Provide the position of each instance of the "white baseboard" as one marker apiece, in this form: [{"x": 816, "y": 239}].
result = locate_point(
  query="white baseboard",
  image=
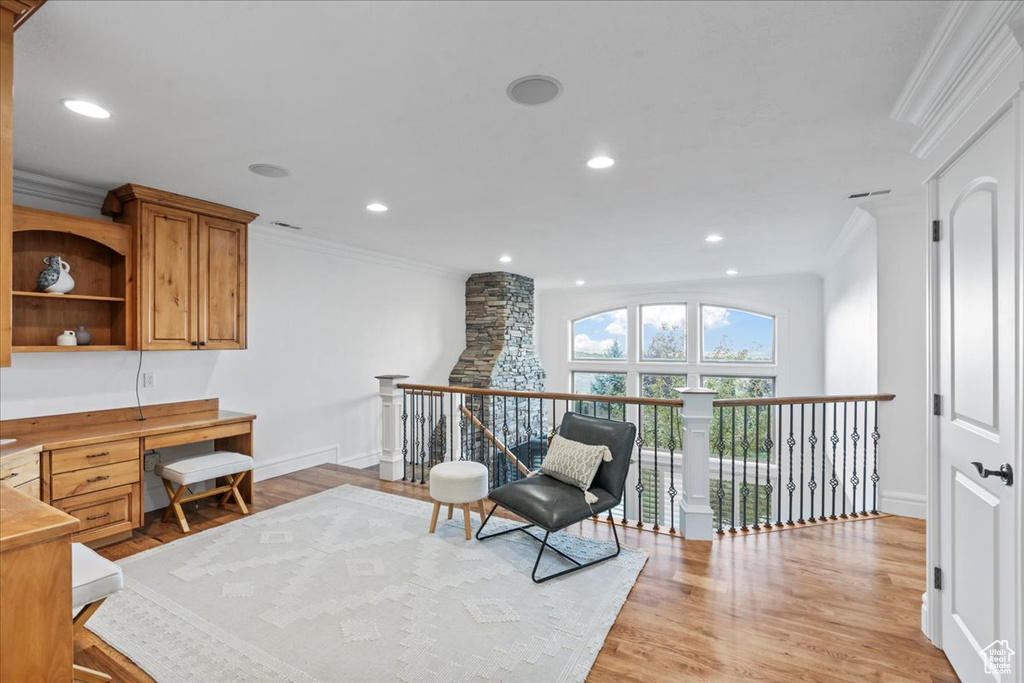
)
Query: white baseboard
[
  {"x": 924, "y": 616},
  {"x": 294, "y": 463},
  {"x": 360, "y": 460},
  {"x": 903, "y": 504}
]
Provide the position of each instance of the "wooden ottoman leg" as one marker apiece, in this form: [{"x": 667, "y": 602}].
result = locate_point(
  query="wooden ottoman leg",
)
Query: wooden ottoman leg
[
  {"x": 450, "y": 506},
  {"x": 480, "y": 509},
  {"x": 465, "y": 515},
  {"x": 433, "y": 517}
]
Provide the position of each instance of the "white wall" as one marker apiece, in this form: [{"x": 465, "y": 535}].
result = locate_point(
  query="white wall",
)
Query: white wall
[
  {"x": 323, "y": 321},
  {"x": 796, "y": 299},
  {"x": 850, "y": 297},
  {"x": 903, "y": 239}
]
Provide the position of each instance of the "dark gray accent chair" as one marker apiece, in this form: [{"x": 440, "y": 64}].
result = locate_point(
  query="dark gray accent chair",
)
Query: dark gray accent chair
[{"x": 552, "y": 505}]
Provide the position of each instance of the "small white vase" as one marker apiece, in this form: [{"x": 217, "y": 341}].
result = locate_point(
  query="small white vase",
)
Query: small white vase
[
  {"x": 68, "y": 338},
  {"x": 64, "y": 284}
]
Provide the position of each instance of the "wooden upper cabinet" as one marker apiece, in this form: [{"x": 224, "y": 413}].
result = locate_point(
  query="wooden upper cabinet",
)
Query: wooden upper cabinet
[
  {"x": 169, "y": 293},
  {"x": 222, "y": 283},
  {"x": 192, "y": 268}
]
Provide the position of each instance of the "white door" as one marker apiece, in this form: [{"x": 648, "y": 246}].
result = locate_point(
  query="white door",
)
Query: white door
[{"x": 977, "y": 366}]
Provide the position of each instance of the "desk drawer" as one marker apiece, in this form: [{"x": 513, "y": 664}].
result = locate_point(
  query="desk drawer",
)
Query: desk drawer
[
  {"x": 71, "y": 459},
  {"x": 103, "y": 513},
  {"x": 30, "y": 487},
  {"x": 94, "y": 479},
  {"x": 20, "y": 469}
]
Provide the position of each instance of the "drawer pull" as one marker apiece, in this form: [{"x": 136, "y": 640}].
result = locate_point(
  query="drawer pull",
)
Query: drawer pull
[
  {"x": 96, "y": 479},
  {"x": 98, "y": 455},
  {"x": 95, "y": 517},
  {"x": 12, "y": 475}
]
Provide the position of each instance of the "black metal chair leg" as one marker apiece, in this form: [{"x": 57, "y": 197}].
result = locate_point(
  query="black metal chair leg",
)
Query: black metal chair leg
[
  {"x": 570, "y": 570},
  {"x": 497, "y": 533}
]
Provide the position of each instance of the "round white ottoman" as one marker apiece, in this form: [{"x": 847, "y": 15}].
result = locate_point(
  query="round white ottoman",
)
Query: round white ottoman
[{"x": 458, "y": 483}]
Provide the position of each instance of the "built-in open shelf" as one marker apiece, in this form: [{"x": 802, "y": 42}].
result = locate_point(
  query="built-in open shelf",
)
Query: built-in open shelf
[
  {"x": 99, "y": 253},
  {"x": 77, "y": 297},
  {"x": 65, "y": 349}
]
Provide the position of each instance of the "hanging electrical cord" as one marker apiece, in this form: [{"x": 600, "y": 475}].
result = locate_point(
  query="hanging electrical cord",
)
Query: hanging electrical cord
[{"x": 138, "y": 399}]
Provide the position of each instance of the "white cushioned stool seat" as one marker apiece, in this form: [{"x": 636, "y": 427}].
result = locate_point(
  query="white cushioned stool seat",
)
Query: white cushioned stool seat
[
  {"x": 458, "y": 482},
  {"x": 204, "y": 467},
  {"x": 92, "y": 576}
]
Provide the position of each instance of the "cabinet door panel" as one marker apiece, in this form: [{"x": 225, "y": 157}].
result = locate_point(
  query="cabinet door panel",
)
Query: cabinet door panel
[
  {"x": 168, "y": 278},
  {"x": 222, "y": 283}
]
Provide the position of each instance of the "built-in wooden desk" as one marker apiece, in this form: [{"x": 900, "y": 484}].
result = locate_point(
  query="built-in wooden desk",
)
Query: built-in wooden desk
[
  {"x": 90, "y": 465},
  {"x": 35, "y": 589}
]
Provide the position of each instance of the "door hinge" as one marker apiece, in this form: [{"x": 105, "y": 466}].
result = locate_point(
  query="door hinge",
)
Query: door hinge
[
  {"x": 936, "y": 404},
  {"x": 936, "y": 231},
  {"x": 937, "y": 579}
]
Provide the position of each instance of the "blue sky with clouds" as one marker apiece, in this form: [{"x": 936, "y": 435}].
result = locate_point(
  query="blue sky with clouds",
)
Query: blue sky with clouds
[{"x": 736, "y": 329}]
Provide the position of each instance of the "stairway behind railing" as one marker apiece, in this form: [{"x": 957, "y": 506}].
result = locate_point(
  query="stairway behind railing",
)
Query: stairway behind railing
[{"x": 700, "y": 465}]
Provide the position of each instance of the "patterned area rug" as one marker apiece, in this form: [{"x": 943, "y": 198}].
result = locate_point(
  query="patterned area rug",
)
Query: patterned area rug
[{"x": 347, "y": 585}]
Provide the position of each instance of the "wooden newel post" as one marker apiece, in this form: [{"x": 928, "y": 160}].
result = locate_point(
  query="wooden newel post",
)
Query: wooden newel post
[
  {"x": 695, "y": 514},
  {"x": 392, "y": 462}
]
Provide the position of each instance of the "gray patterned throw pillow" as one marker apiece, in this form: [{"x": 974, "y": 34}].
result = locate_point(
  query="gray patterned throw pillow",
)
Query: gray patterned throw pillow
[{"x": 574, "y": 463}]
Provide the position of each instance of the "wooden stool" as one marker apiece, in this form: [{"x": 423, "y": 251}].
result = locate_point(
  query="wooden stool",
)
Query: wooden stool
[
  {"x": 203, "y": 468},
  {"x": 458, "y": 483}
]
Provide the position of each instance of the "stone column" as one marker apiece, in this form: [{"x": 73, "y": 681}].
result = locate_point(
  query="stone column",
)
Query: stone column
[{"x": 392, "y": 462}]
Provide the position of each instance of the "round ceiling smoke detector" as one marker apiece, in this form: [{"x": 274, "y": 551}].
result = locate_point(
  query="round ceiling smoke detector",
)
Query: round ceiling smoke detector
[
  {"x": 270, "y": 171},
  {"x": 534, "y": 90}
]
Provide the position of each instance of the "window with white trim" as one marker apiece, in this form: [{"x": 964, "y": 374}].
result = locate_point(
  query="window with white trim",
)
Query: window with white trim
[{"x": 652, "y": 348}]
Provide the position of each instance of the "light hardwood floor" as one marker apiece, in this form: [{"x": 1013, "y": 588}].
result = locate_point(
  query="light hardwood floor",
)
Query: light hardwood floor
[{"x": 839, "y": 602}]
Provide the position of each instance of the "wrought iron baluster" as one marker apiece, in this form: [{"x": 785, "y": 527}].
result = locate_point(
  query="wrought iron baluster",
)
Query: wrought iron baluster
[
  {"x": 845, "y": 433},
  {"x": 423, "y": 439},
  {"x": 824, "y": 431},
  {"x": 504, "y": 440},
  {"x": 451, "y": 426},
  {"x": 519, "y": 440},
  {"x": 812, "y": 484},
  {"x": 405, "y": 435},
  {"x": 790, "y": 485},
  {"x": 744, "y": 490},
  {"x": 431, "y": 430},
  {"x": 721, "y": 465},
  {"x": 801, "y": 520},
  {"x": 875, "y": 436},
  {"x": 757, "y": 467},
  {"x": 768, "y": 447},
  {"x": 854, "y": 479},
  {"x": 639, "y": 479},
  {"x": 672, "y": 471},
  {"x": 778, "y": 512},
  {"x": 657, "y": 478},
  {"x": 864, "y": 470},
  {"x": 834, "y": 440},
  {"x": 732, "y": 476},
  {"x": 529, "y": 434}
]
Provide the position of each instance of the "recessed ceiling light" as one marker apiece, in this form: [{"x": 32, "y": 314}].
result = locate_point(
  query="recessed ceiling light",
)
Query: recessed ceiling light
[
  {"x": 84, "y": 108},
  {"x": 533, "y": 90},
  {"x": 270, "y": 170},
  {"x": 732, "y": 271},
  {"x": 601, "y": 162},
  {"x": 376, "y": 207},
  {"x": 505, "y": 259},
  {"x": 580, "y": 283},
  {"x": 713, "y": 238}
]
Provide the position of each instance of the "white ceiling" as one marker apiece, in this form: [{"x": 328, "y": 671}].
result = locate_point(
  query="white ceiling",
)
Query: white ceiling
[{"x": 750, "y": 119}]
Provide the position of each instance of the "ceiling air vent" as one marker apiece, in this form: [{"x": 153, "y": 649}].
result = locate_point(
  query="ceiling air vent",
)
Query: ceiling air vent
[
  {"x": 282, "y": 224},
  {"x": 872, "y": 193}
]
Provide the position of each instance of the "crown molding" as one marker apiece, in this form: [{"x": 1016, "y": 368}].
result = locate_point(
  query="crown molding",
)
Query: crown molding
[
  {"x": 860, "y": 221},
  {"x": 273, "y": 235},
  {"x": 972, "y": 45},
  {"x": 66, "y": 191}
]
